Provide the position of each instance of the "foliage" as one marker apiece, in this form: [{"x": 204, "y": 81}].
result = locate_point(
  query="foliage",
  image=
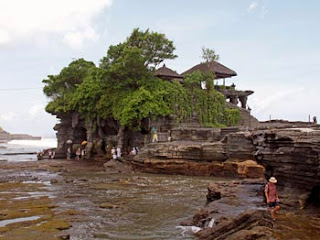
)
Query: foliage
[
  {"x": 209, "y": 55},
  {"x": 59, "y": 88},
  {"x": 87, "y": 94},
  {"x": 232, "y": 117},
  {"x": 151, "y": 48}
]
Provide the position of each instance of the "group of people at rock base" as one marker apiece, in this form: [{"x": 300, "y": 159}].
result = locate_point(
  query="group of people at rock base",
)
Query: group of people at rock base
[
  {"x": 134, "y": 151},
  {"x": 80, "y": 153},
  {"x": 51, "y": 154},
  {"x": 116, "y": 153}
]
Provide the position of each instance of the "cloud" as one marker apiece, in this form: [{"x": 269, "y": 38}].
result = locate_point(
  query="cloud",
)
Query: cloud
[
  {"x": 252, "y": 6},
  {"x": 77, "y": 39},
  {"x": 32, "y": 120},
  {"x": 260, "y": 6},
  {"x": 35, "y": 110},
  {"x": 8, "y": 116},
  {"x": 273, "y": 100},
  {"x": 24, "y": 20}
]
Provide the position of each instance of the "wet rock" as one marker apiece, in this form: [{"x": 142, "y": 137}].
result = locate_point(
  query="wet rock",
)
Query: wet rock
[
  {"x": 200, "y": 218},
  {"x": 108, "y": 205},
  {"x": 68, "y": 180},
  {"x": 83, "y": 180},
  {"x": 252, "y": 224},
  {"x": 54, "y": 181},
  {"x": 213, "y": 193},
  {"x": 64, "y": 237},
  {"x": 101, "y": 235}
]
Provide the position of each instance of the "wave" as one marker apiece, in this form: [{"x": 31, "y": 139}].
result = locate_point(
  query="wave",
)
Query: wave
[{"x": 43, "y": 143}]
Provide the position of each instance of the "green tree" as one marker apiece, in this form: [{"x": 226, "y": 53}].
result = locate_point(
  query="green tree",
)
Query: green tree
[
  {"x": 61, "y": 87},
  {"x": 131, "y": 91}
]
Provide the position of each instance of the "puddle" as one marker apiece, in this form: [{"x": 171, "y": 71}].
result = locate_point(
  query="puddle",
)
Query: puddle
[{"x": 3, "y": 223}]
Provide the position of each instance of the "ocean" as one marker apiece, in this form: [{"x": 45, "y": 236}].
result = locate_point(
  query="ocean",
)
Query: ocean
[{"x": 24, "y": 150}]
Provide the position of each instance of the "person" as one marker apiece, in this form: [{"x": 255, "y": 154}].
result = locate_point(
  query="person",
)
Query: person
[
  {"x": 40, "y": 155},
  {"x": 137, "y": 150},
  {"x": 272, "y": 197},
  {"x": 114, "y": 153},
  {"x": 119, "y": 152},
  {"x": 69, "y": 153},
  {"x": 154, "y": 135},
  {"x": 53, "y": 155},
  {"x": 314, "y": 119},
  {"x": 133, "y": 151},
  {"x": 78, "y": 153},
  {"x": 83, "y": 153},
  {"x": 50, "y": 153}
]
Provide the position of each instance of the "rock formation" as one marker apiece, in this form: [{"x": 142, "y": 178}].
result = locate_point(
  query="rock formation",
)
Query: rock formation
[
  {"x": 230, "y": 156},
  {"x": 293, "y": 157}
]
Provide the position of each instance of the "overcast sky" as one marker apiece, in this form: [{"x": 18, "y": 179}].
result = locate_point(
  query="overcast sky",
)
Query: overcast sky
[{"x": 272, "y": 45}]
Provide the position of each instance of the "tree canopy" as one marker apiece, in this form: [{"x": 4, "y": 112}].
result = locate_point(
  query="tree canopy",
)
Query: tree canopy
[{"x": 124, "y": 87}]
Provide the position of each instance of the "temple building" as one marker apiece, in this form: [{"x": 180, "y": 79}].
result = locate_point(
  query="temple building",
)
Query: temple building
[
  {"x": 168, "y": 74},
  {"x": 220, "y": 72}
]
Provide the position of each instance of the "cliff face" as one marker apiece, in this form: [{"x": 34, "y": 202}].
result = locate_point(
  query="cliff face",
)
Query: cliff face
[
  {"x": 231, "y": 156},
  {"x": 293, "y": 157}
]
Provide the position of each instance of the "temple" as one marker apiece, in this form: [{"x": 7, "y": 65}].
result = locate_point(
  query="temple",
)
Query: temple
[{"x": 220, "y": 72}]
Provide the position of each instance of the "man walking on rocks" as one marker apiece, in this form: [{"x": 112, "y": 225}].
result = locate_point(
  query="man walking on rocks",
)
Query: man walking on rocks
[{"x": 272, "y": 196}]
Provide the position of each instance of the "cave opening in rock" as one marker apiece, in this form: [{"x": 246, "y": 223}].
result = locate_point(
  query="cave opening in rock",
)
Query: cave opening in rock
[{"x": 314, "y": 197}]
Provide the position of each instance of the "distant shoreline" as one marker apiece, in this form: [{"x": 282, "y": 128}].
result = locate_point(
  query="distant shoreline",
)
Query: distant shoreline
[{"x": 6, "y": 137}]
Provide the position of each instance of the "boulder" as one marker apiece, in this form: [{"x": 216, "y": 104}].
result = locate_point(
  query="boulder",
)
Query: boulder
[
  {"x": 213, "y": 193},
  {"x": 252, "y": 224}
]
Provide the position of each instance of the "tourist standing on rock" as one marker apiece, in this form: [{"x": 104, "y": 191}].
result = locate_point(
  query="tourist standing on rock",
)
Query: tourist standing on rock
[
  {"x": 69, "y": 153},
  {"x": 119, "y": 152},
  {"x": 78, "y": 153},
  {"x": 50, "y": 153},
  {"x": 114, "y": 153},
  {"x": 154, "y": 134},
  {"x": 272, "y": 196},
  {"x": 83, "y": 153},
  {"x": 53, "y": 155}
]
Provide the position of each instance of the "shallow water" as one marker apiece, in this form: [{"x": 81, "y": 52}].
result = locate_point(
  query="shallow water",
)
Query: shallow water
[
  {"x": 140, "y": 206},
  {"x": 24, "y": 150},
  {"x": 16, "y": 220}
]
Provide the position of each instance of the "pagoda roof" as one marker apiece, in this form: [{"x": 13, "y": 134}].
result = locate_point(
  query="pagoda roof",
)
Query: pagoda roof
[
  {"x": 218, "y": 69},
  {"x": 164, "y": 72}
]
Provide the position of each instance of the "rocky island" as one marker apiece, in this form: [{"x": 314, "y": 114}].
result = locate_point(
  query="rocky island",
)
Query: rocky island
[
  {"x": 178, "y": 125},
  {"x": 6, "y": 137}
]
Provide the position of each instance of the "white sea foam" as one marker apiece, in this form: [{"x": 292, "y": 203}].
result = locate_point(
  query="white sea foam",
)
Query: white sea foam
[
  {"x": 185, "y": 229},
  {"x": 43, "y": 143}
]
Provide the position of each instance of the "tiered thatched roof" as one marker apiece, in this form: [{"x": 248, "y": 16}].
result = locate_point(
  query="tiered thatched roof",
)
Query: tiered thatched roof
[
  {"x": 167, "y": 73},
  {"x": 218, "y": 69}
]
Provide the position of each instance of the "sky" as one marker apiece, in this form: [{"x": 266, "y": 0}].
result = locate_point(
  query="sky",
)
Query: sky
[{"x": 272, "y": 45}]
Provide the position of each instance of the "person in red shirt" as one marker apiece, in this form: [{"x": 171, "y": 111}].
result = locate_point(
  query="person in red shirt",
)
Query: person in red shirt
[{"x": 272, "y": 197}]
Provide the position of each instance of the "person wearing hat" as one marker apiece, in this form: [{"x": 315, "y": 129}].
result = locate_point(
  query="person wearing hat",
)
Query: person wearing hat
[{"x": 272, "y": 196}]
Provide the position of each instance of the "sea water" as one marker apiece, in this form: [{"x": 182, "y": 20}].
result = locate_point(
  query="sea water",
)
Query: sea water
[{"x": 25, "y": 150}]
